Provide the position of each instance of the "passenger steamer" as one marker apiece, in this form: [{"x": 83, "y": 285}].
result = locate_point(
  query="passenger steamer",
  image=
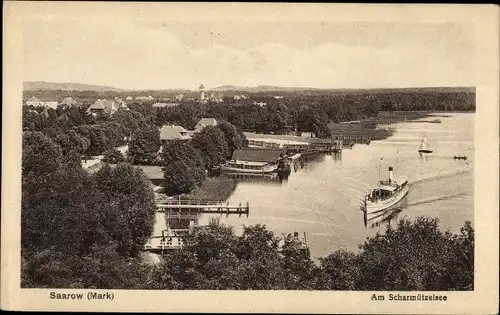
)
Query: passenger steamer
[{"x": 387, "y": 194}]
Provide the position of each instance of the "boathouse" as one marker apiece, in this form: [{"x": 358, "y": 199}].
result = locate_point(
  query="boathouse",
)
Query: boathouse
[
  {"x": 350, "y": 132},
  {"x": 270, "y": 156}
]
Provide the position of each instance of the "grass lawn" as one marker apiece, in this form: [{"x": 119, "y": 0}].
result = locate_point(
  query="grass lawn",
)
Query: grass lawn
[{"x": 213, "y": 188}]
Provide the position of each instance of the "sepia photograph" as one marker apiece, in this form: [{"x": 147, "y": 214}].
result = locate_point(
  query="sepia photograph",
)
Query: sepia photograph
[{"x": 221, "y": 149}]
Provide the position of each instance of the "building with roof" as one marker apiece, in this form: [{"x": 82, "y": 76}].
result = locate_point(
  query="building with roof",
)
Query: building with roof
[
  {"x": 52, "y": 105},
  {"x": 173, "y": 132},
  {"x": 240, "y": 97},
  {"x": 103, "y": 106},
  {"x": 153, "y": 173},
  {"x": 261, "y": 104},
  {"x": 34, "y": 101},
  {"x": 271, "y": 156},
  {"x": 144, "y": 98},
  {"x": 161, "y": 105},
  {"x": 350, "y": 132},
  {"x": 122, "y": 105},
  {"x": 204, "y": 122},
  {"x": 69, "y": 101},
  {"x": 214, "y": 98}
]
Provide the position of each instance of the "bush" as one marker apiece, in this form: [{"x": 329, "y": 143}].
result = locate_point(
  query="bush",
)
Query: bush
[{"x": 113, "y": 156}]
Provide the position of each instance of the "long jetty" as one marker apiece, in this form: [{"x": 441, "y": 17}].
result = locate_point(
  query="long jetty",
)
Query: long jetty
[{"x": 178, "y": 207}]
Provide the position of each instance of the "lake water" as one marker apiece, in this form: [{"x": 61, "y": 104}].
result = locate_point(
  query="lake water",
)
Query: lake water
[{"x": 322, "y": 199}]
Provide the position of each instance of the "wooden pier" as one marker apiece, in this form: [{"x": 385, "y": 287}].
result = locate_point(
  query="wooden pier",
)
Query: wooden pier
[
  {"x": 187, "y": 211},
  {"x": 186, "y": 208},
  {"x": 161, "y": 244}
]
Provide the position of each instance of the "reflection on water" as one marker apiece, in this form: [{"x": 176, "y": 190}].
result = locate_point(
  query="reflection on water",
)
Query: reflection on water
[
  {"x": 322, "y": 199},
  {"x": 424, "y": 156}
]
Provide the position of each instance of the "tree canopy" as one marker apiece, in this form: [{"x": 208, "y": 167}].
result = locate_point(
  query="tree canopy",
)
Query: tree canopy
[
  {"x": 183, "y": 167},
  {"x": 144, "y": 146},
  {"x": 212, "y": 145}
]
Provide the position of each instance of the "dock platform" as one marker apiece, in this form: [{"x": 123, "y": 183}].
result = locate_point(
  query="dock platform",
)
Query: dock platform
[{"x": 187, "y": 207}]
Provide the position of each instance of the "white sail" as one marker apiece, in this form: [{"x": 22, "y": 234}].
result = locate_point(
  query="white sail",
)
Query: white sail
[{"x": 425, "y": 145}]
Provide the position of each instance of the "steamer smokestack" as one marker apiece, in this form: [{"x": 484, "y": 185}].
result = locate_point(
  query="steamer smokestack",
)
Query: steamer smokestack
[{"x": 391, "y": 174}]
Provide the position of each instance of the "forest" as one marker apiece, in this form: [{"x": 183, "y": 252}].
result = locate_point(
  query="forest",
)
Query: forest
[{"x": 308, "y": 111}]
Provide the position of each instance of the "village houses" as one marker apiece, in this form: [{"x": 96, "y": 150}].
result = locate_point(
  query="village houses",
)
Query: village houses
[
  {"x": 103, "y": 106},
  {"x": 36, "y": 102}
]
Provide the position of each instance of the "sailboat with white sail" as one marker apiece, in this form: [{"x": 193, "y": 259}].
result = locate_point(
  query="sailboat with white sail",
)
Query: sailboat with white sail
[{"x": 425, "y": 146}]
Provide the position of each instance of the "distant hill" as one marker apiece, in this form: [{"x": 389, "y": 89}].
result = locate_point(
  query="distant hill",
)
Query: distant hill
[
  {"x": 271, "y": 88},
  {"x": 260, "y": 88},
  {"x": 47, "y": 86},
  {"x": 50, "y": 86}
]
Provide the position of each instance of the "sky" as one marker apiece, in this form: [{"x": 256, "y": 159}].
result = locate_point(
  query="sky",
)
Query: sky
[{"x": 163, "y": 53}]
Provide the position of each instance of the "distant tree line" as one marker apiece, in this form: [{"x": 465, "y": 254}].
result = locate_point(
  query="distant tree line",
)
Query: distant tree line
[
  {"x": 307, "y": 110},
  {"x": 311, "y": 113}
]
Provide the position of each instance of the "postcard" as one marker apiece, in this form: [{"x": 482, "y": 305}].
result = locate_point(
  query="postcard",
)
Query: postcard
[{"x": 244, "y": 157}]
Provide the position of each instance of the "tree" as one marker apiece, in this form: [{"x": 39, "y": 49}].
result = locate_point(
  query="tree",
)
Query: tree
[
  {"x": 131, "y": 120},
  {"x": 414, "y": 256},
  {"x": 144, "y": 146},
  {"x": 40, "y": 154},
  {"x": 113, "y": 156},
  {"x": 212, "y": 146},
  {"x": 338, "y": 271},
  {"x": 71, "y": 141},
  {"x": 99, "y": 142},
  {"x": 32, "y": 120},
  {"x": 129, "y": 213},
  {"x": 260, "y": 266},
  {"x": 102, "y": 268},
  {"x": 59, "y": 211},
  {"x": 182, "y": 167},
  {"x": 181, "y": 176},
  {"x": 115, "y": 132},
  {"x": 460, "y": 273},
  {"x": 299, "y": 270},
  {"x": 186, "y": 115},
  {"x": 235, "y": 139}
]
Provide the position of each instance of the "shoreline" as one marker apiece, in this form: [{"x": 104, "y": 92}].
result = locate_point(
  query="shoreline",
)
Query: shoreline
[{"x": 370, "y": 126}]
